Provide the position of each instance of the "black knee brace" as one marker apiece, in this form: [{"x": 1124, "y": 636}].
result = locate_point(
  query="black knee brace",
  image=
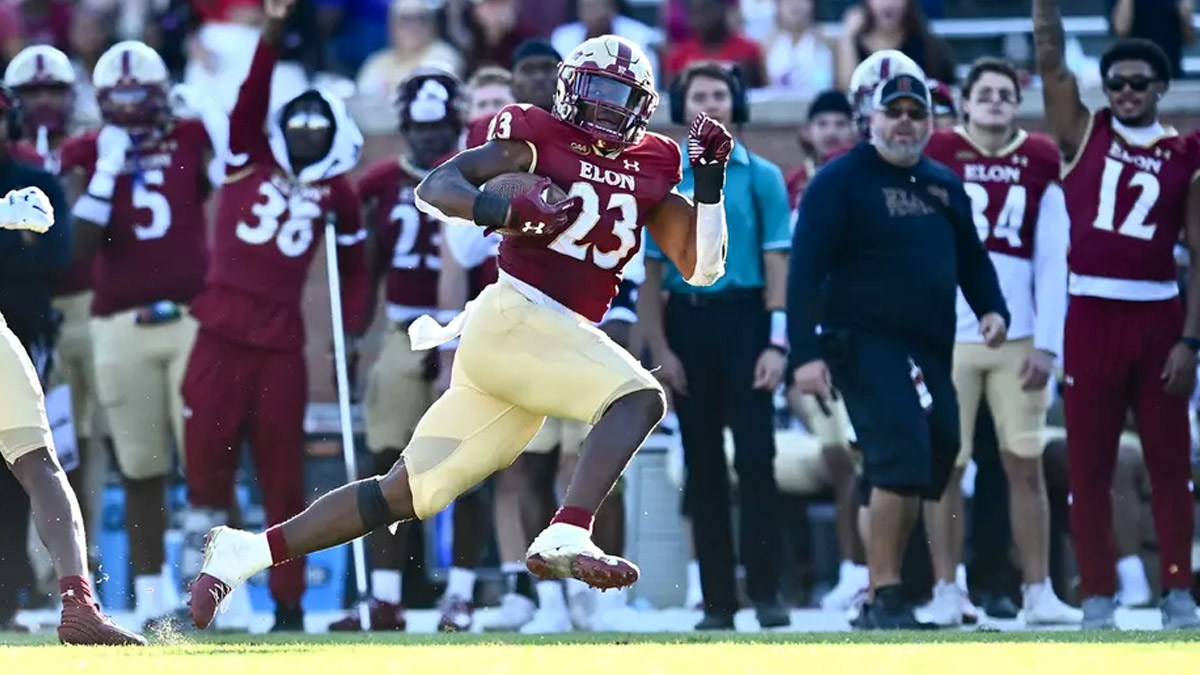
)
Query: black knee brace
[{"x": 373, "y": 509}]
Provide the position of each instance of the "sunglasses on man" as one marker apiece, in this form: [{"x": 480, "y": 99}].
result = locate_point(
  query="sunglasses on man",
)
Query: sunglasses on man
[
  {"x": 1138, "y": 83},
  {"x": 915, "y": 114}
]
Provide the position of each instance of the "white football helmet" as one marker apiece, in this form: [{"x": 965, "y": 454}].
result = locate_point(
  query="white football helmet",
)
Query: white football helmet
[
  {"x": 39, "y": 64},
  {"x": 606, "y": 88},
  {"x": 42, "y": 67},
  {"x": 131, "y": 83},
  {"x": 869, "y": 74}
]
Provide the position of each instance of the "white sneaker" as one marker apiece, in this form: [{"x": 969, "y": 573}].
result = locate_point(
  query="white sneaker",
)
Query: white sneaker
[
  {"x": 581, "y": 605},
  {"x": 1135, "y": 587},
  {"x": 548, "y": 621},
  {"x": 852, "y": 580},
  {"x": 613, "y": 613},
  {"x": 946, "y": 607},
  {"x": 515, "y": 611},
  {"x": 565, "y": 551},
  {"x": 1040, "y": 606},
  {"x": 230, "y": 558}
]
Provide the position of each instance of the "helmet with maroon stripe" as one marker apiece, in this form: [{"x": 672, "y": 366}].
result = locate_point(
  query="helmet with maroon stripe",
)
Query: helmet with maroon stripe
[
  {"x": 606, "y": 89},
  {"x": 131, "y": 83},
  {"x": 44, "y": 79},
  {"x": 880, "y": 66}
]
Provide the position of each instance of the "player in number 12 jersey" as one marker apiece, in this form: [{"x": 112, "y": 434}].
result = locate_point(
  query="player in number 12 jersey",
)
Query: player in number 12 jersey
[
  {"x": 528, "y": 348},
  {"x": 286, "y": 176},
  {"x": 1131, "y": 189}
]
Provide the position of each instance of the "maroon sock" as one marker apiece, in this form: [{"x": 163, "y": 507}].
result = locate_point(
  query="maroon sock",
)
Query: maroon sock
[
  {"x": 76, "y": 590},
  {"x": 574, "y": 515},
  {"x": 279, "y": 549}
]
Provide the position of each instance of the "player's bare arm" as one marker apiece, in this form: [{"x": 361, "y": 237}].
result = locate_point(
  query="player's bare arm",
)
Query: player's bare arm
[
  {"x": 672, "y": 223},
  {"x": 1066, "y": 115},
  {"x": 453, "y": 188},
  {"x": 277, "y": 12},
  {"x": 1179, "y": 374}
]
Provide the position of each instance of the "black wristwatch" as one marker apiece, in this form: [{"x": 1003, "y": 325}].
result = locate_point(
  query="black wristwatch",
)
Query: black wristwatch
[{"x": 1192, "y": 343}]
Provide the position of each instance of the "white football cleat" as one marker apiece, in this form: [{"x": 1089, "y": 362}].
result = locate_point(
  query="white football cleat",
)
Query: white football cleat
[
  {"x": 1040, "y": 606},
  {"x": 852, "y": 580},
  {"x": 945, "y": 609},
  {"x": 515, "y": 611},
  {"x": 547, "y": 621},
  {"x": 230, "y": 558},
  {"x": 565, "y": 551}
]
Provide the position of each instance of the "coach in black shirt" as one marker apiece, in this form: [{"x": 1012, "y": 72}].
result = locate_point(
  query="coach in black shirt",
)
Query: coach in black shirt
[{"x": 884, "y": 237}]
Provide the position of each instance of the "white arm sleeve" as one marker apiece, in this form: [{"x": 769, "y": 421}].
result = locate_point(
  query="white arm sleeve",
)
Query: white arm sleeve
[
  {"x": 1050, "y": 270},
  {"x": 712, "y": 240}
]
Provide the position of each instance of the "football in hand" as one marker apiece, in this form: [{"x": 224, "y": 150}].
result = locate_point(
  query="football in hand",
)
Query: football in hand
[{"x": 513, "y": 184}]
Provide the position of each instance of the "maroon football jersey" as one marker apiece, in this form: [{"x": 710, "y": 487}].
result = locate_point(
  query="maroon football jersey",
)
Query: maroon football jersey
[
  {"x": 797, "y": 179},
  {"x": 154, "y": 244},
  {"x": 1005, "y": 187},
  {"x": 1128, "y": 202},
  {"x": 408, "y": 241},
  {"x": 582, "y": 267},
  {"x": 268, "y": 228},
  {"x": 78, "y": 277}
]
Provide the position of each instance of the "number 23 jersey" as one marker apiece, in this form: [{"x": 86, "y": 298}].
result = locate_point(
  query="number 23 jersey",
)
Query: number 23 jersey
[{"x": 583, "y": 267}]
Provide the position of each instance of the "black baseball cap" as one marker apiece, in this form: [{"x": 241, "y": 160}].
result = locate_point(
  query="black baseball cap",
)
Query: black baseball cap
[{"x": 904, "y": 86}]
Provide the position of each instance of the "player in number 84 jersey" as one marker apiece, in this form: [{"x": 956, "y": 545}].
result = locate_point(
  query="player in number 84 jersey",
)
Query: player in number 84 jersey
[
  {"x": 1131, "y": 189},
  {"x": 528, "y": 348}
]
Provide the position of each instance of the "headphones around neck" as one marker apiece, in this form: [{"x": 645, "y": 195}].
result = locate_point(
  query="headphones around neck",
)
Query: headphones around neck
[{"x": 732, "y": 75}]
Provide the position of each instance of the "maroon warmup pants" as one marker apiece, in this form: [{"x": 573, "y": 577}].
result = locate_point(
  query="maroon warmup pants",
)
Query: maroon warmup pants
[
  {"x": 232, "y": 389},
  {"x": 1114, "y": 354}
]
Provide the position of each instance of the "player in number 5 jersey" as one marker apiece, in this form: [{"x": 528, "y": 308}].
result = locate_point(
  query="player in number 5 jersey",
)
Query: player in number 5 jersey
[
  {"x": 140, "y": 215},
  {"x": 1011, "y": 178},
  {"x": 286, "y": 176},
  {"x": 1131, "y": 188},
  {"x": 528, "y": 348}
]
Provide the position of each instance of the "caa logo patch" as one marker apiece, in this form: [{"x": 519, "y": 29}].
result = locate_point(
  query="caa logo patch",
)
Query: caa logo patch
[{"x": 581, "y": 148}]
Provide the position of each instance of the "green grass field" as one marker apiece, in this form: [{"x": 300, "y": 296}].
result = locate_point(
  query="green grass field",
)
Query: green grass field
[{"x": 1128, "y": 653}]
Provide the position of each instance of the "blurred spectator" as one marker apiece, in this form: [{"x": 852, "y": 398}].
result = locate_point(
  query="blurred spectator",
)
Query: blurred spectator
[
  {"x": 11, "y": 31},
  {"x": 47, "y": 22},
  {"x": 220, "y": 51},
  {"x": 798, "y": 57},
  {"x": 829, "y": 130},
  {"x": 603, "y": 17},
  {"x": 492, "y": 33},
  {"x": 715, "y": 39},
  {"x": 91, "y": 34},
  {"x": 355, "y": 29},
  {"x": 490, "y": 90},
  {"x": 945, "y": 112},
  {"x": 414, "y": 43},
  {"x": 873, "y": 25},
  {"x": 757, "y": 18},
  {"x": 1168, "y": 23},
  {"x": 169, "y": 33},
  {"x": 538, "y": 19}
]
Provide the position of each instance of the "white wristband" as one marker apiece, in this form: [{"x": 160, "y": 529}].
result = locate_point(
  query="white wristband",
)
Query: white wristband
[
  {"x": 102, "y": 185},
  {"x": 92, "y": 209},
  {"x": 779, "y": 337}
]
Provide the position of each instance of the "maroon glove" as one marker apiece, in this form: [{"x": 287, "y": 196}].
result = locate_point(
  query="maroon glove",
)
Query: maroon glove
[
  {"x": 530, "y": 216},
  {"x": 708, "y": 146}
]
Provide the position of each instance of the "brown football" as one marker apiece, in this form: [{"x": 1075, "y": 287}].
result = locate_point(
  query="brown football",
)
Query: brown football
[{"x": 513, "y": 184}]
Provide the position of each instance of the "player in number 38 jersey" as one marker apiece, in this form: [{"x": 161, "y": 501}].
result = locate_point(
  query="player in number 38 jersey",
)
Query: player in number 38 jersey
[{"x": 285, "y": 177}]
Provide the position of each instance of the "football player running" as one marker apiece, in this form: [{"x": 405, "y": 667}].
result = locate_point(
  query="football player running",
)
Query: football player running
[
  {"x": 528, "y": 348},
  {"x": 27, "y": 446},
  {"x": 405, "y": 256},
  {"x": 286, "y": 177},
  {"x": 1131, "y": 188},
  {"x": 141, "y": 189},
  {"x": 1011, "y": 177}
]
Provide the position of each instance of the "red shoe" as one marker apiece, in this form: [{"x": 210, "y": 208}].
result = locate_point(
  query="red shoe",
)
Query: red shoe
[
  {"x": 457, "y": 615},
  {"x": 384, "y": 616},
  {"x": 565, "y": 551},
  {"x": 85, "y": 625},
  {"x": 230, "y": 558}
]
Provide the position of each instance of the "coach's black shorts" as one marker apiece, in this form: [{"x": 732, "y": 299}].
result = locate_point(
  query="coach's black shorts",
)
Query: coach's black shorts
[{"x": 905, "y": 449}]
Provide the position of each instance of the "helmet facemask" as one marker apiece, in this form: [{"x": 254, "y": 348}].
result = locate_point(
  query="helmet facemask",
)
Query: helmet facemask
[{"x": 612, "y": 110}]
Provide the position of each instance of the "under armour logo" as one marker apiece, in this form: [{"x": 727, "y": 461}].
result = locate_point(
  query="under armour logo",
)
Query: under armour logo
[
  {"x": 535, "y": 228},
  {"x": 631, "y": 165}
]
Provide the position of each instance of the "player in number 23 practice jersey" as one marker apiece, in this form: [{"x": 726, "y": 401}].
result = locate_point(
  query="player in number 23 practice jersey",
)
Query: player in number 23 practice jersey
[
  {"x": 247, "y": 370},
  {"x": 529, "y": 349}
]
